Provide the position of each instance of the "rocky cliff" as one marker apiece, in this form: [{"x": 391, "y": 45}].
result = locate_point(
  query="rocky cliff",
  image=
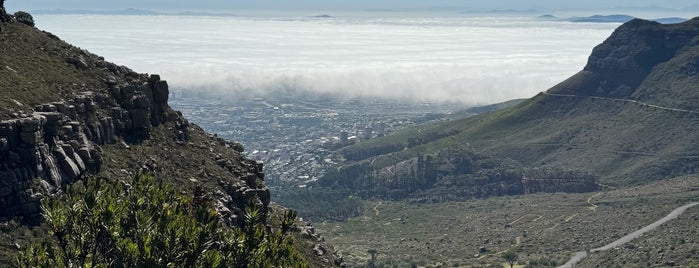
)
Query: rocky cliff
[
  {"x": 66, "y": 114},
  {"x": 98, "y": 128},
  {"x": 617, "y": 67}
]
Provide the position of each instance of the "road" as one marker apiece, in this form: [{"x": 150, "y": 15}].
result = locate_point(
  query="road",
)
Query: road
[
  {"x": 579, "y": 256},
  {"x": 623, "y": 100}
]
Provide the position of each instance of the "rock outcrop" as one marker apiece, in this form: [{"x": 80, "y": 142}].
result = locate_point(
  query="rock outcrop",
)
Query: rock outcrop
[
  {"x": 3, "y": 14},
  {"x": 621, "y": 63},
  {"x": 59, "y": 141}
]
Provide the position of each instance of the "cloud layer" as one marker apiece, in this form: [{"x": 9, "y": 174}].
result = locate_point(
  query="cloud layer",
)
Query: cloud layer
[{"x": 470, "y": 60}]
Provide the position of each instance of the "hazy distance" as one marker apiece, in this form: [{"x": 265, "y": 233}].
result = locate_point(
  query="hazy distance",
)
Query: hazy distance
[
  {"x": 430, "y": 51},
  {"x": 471, "y": 60},
  {"x": 447, "y": 5}
]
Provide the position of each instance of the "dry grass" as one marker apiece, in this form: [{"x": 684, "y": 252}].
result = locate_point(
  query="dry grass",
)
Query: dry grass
[{"x": 548, "y": 226}]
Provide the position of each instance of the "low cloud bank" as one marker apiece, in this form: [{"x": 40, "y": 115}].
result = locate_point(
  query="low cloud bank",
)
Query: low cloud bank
[{"x": 469, "y": 60}]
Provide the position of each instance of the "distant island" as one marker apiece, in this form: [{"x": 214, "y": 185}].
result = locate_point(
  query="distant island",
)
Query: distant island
[
  {"x": 617, "y": 18},
  {"x": 128, "y": 11}
]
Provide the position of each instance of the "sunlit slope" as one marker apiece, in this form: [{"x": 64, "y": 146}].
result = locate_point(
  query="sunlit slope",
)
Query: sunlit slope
[{"x": 630, "y": 116}]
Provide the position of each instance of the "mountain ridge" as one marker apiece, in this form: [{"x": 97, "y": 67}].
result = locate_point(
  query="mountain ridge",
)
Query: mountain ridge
[
  {"x": 628, "y": 117},
  {"x": 67, "y": 114}
]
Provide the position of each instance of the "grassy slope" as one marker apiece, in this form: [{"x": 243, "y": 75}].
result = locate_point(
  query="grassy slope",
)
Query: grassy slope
[
  {"x": 584, "y": 133},
  {"x": 625, "y": 143},
  {"x": 547, "y": 226},
  {"x": 34, "y": 70}
]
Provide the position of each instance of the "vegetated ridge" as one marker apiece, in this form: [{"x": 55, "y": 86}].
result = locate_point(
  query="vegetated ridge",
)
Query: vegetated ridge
[
  {"x": 67, "y": 114},
  {"x": 630, "y": 116}
]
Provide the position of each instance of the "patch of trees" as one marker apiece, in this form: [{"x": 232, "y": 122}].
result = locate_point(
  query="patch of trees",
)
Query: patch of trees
[
  {"x": 321, "y": 204},
  {"x": 364, "y": 152},
  {"x": 455, "y": 174},
  {"x": 98, "y": 223},
  {"x": 360, "y": 153}
]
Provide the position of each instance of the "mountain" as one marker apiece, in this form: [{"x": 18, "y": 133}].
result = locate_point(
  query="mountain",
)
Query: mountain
[
  {"x": 609, "y": 19},
  {"x": 631, "y": 116},
  {"x": 67, "y": 114},
  {"x": 602, "y": 18}
]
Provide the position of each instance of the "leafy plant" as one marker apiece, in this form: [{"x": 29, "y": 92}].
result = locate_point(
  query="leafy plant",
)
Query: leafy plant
[{"x": 98, "y": 223}]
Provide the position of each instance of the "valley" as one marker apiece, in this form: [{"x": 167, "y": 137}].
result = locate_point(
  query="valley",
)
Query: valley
[
  {"x": 545, "y": 230},
  {"x": 315, "y": 154}
]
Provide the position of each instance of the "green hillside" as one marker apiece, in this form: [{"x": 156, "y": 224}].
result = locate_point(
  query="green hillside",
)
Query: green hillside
[{"x": 630, "y": 116}]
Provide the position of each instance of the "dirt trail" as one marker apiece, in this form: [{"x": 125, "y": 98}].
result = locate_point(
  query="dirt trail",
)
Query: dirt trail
[
  {"x": 376, "y": 208},
  {"x": 579, "y": 256},
  {"x": 624, "y": 100}
]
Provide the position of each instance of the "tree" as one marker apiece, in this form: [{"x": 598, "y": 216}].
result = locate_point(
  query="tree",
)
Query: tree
[
  {"x": 510, "y": 257},
  {"x": 97, "y": 223}
]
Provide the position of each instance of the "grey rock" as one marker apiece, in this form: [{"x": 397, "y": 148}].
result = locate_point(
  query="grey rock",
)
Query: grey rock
[
  {"x": 61, "y": 107},
  {"x": 30, "y": 124},
  {"x": 30, "y": 138},
  {"x": 161, "y": 92},
  {"x": 4, "y": 145},
  {"x": 140, "y": 121},
  {"x": 78, "y": 61},
  {"x": 8, "y": 128},
  {"x": 50, "y": 167},
  {"x": 140, "y": 101},
  {"x": 153, "y": 78},
  {"x": 69, "y": 168},
  {"x": 110, "y": 80}
]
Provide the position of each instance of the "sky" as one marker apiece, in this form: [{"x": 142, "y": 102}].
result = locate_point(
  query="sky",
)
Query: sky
[{"x": 232, "y": 5}]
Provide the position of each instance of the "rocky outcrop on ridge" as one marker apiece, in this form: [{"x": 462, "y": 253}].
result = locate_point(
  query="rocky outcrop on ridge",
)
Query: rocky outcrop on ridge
[
  {"x": 618, "y": 66},
  {"x": 46, "y": 146},
  {"x": 3, "y": 14}
]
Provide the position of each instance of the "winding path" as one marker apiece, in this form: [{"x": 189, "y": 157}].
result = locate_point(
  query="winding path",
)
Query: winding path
[
  {"x": 673, "y": 215},
  {"x": 623, "y": 100}
]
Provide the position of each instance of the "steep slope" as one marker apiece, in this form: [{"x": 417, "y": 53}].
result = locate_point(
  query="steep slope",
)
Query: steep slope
[
  {"x": 630, "y": 116},
  {"x": 66, "y": 114}
]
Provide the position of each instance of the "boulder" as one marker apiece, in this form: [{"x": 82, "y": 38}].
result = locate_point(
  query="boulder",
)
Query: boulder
[
  {"x": 78, "y": 61},
  {"x": 67, "y": 165},
  {"x": 50, "y": 167},
  {"x": 110, "y": 80}
]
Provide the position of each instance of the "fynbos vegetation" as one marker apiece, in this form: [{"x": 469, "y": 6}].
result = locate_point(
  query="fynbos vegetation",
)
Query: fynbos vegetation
[{"x": 98, "y": 223}]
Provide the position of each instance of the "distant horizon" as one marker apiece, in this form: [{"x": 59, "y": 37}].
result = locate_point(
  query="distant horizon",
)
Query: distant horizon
[
  {"x": 358, "y": 5},
  {"x": 474, "y": 61}
]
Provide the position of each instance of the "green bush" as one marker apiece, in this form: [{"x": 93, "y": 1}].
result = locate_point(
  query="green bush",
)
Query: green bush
[
  {"x": 25, "y": 18},
  {"x": 105, "y": 224}
]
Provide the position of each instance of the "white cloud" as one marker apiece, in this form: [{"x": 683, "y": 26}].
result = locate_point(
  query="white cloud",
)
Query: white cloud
[{"x": 472, "y": 60}]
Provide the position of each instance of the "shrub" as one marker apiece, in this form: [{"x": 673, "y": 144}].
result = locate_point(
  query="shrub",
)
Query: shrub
[
  {"x": 25, "y": 18},
  {"x": 105, "y": 224}
]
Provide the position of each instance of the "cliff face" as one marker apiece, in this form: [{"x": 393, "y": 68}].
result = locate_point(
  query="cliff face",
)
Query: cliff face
[
  {"x": 618, "y": 67},
  {"x": 68, "y": 114},
  {"x": 630, "y": 116}
]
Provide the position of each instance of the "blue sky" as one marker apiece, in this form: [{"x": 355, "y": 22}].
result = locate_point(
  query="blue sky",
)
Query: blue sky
[{"x": 232, "y": 5}]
